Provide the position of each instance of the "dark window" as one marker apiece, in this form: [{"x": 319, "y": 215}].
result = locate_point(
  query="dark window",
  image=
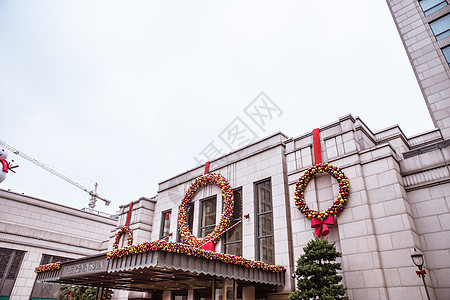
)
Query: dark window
[
  {"x": 190, "y": 221},
  {"x": 430, "y": 6},
  {"x": 441, "y": 27},
  {"x": 165, "y": 224},
  {"x": 207, "y": 215},
  {"x": 45, "y": 290},
  {"x": 233, "y": 237},
  {"x": 10, "y": 261},
  {"x": 265, "y": 243}
]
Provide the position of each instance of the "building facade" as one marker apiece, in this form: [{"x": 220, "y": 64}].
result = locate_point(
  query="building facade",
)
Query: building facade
[
  {"x": 424, "y": 27},
  {"x": 35, "y": 232},
  {"x": 399, "y": 200}
]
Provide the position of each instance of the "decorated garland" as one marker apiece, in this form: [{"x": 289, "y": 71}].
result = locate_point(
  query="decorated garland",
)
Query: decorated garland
[
  {"x": 119, "y": 234},
  {"x": 188, "y": 250},
  {"x": 228, "y": 203},
  {"x": 48, "y": 267},
  {"x": 319, "y": 219}
]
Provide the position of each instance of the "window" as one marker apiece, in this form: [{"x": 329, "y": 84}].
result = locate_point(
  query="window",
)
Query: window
[
  {"x": 446, "y": 52},
  {"x": 265, "y": 243},
  {"x": 45, "y": 290},
  {"x": 430, "y": 6},
  {"x": 10, "y": 261},
  {"x": 233, "y": 237},
  {"x": 190, "y": 221},
  {"x": 441, "y": 27},
  {"x": 299, "y": 159},
  {"x": 165, "y": 224},
  {"x": 207, "y": 216}
]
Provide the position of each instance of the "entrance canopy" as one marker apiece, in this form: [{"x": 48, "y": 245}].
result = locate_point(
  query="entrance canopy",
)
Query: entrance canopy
[{"x": 156, "y": 270}]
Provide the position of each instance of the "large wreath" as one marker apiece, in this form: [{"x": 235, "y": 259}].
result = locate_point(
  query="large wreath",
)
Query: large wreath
[
  {"x": 228, "y": 204},
  {"x": 338, "y": 205},
  {"x": 119, "y": 234}
]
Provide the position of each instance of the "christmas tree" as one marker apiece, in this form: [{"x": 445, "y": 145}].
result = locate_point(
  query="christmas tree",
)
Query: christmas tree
[{"x": 316, "y": 273}]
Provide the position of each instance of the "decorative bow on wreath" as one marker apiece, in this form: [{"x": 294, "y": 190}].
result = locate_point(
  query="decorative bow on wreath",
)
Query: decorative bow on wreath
[
  {"x": 321, "y": 225},
  {"x": 421, "y": 273}
]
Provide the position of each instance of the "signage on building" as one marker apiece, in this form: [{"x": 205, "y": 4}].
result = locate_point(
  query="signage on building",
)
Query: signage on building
[{"x": 95, "y": 265}]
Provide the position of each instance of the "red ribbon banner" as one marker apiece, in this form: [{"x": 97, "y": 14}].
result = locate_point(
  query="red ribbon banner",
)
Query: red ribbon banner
[
  {"x": 421, "y": 273},
  {"x": 207, "y": 167},
  {"x": 321, "y": 225},
  {"x": 129, "y": 214},
  {"x": 316, "y": 146}
]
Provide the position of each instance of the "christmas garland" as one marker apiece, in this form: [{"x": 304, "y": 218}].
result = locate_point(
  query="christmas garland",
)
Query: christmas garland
[
  {"x": 222, "y": 183},
  {"x": 188, "y": 250},
  {"x": 344, "y": 189},
  {"x": 48, "y": 267},
  {"x": 119, "y": 234}
]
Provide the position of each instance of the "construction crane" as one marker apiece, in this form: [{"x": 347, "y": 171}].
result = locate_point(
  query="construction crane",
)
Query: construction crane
[{"x": 92, "y": 193}]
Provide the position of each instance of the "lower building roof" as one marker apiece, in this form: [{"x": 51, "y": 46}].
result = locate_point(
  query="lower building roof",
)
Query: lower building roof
[{"x": 156, "y": 270}]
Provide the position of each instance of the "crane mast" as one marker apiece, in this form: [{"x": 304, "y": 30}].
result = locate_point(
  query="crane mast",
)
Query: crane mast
[{"x": 92, "y": 193}]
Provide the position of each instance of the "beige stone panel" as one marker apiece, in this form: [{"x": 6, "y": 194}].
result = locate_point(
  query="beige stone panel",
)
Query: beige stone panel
[
  {"x": 403, "y": 239},
  {"x": 349, "y": 246},
  {"x": 376, "y": 167},
  {"x": 437, "y": 259},
  {"x": 388, "y": 224},
  {"x": 396, "y": 258},
  {"x": 368, "y": 293},
  {"x": 438, "y": 240},
  {"x": 431, "y": 207},
  {"x": 360, "y": 212},
  {"x": 367, "y": 243},
  {"x": 373, "y": 278},
  {"x": 354, "y": 280},
  {"x": 392, "y": 277},
  {"x": 360, "y": 261},
  {"x": 428, "y": 224},
  {"x": 405, "y": 293},
  {"x": 396, "y": 207},
  {"x": 382, "y": 194},
  {"x": 444, "y": 221},
  {"x": 354, "y": 229}
]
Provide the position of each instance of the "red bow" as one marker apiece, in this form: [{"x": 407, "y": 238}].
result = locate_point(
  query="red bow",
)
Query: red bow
[
  {"x": 421, "y": 273},
  {"x": 321, "y": 225},
  {"x": 208, "y": 246}
]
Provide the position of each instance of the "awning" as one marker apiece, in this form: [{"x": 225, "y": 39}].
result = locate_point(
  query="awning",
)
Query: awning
[{"x": 156, "y": 270}]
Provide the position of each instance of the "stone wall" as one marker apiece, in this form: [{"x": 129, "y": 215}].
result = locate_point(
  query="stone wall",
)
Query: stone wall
[{"x": 40, "y": 227}]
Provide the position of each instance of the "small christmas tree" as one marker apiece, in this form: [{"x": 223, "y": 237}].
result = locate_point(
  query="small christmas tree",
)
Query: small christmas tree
[{"x": 317, "y": 273}]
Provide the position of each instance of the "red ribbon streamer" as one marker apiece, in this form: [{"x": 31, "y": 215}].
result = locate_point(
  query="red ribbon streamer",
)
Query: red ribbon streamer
[
  {"x": 421, "y": 273},
  {"x": 5, "y": 165},
  {"x": 321, "y": 225},
  {"x": 207, "y": 167},
  {"x": 316, "y": 146},
  {"x": 129, "y": 214}
]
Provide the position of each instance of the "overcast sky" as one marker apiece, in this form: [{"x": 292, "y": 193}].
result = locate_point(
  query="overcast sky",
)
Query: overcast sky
[{"x": 129, "y": 93}]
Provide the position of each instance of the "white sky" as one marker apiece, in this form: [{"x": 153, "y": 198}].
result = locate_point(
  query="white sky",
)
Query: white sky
[{"x": 127, "y": 93}]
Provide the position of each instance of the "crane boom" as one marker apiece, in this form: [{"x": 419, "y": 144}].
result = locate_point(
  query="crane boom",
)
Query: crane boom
[{"x": 93, "y": 194}]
